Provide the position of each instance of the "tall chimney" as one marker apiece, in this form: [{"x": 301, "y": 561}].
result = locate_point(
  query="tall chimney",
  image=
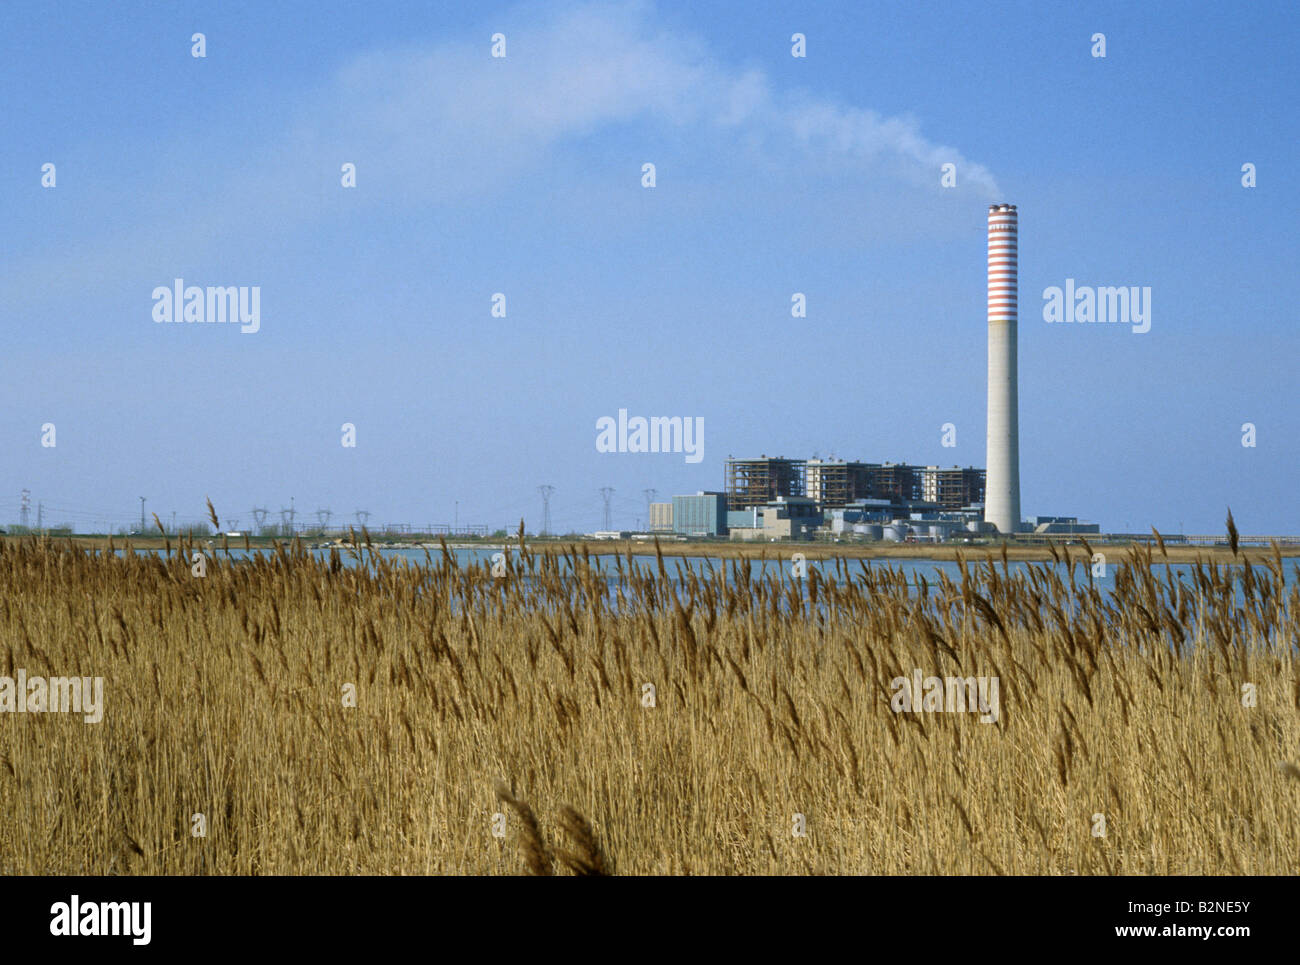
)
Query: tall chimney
[{"x": 1002, "y": 486}]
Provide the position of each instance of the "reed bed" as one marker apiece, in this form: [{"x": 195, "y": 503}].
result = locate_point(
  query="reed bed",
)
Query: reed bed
[{"x": 545, "y": 719}]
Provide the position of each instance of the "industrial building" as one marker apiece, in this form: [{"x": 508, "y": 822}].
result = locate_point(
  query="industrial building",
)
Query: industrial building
[
  {"x": 864, "y": 511},
  {"x": 921, "y": 521},
  {"x": 756, "y": 482},
  {"x": 898, "y": 482},
  {"x": 661, "y": 517},
  {"x": 836, "y": 483},
  {"x": 1062, "y": 524},
  {"x": 753, "y": 483},
  {"x": 912, "y": 504},
  {"x": 953, "y": 488},
  {"x": 786, "y": 517},
  {"x": 703, "y": 514}
]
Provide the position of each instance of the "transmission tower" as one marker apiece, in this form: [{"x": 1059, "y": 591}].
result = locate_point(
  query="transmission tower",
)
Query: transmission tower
[
  {"x": 546, "y": 492},
  {"x": 234, "y": 524},
  {"x": 26, "y": 507},
  {"x": 323, "y": 515},
  {"x": 362, "y": 515},
  {"x": 259, "y": 519},
  {"x": 288, "y": 517},
  {"x": 606, "y": 492}
]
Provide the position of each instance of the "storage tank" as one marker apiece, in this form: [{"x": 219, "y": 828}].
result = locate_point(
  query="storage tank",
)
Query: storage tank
[
  {"x": 895, "y": 533},
  {"x": 870, "y": 530}
]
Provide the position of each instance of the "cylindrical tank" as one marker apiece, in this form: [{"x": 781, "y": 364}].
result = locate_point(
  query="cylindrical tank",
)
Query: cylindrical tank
[
  {"x": 870, "y": 530},
  {"x": 895, "y": 533}
]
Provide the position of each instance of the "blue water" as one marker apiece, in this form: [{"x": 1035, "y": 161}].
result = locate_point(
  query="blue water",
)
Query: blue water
[{"x": 914, "y": 569}]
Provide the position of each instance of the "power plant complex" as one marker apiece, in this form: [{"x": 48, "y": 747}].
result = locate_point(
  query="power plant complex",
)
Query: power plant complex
[{"x": 779, "y": 498}]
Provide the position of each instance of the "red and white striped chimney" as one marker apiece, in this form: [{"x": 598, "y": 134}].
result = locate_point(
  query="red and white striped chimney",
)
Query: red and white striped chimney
[{"x": 1002, "y": 483}]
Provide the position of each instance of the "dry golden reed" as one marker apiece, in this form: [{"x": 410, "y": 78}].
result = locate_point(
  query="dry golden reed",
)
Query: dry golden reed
[{"x": 313, "y": 717}]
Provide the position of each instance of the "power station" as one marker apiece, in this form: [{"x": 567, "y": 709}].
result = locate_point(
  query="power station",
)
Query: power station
[
  {"x": 779, "y": 498},
  {"x": 1002, "y": 481}
]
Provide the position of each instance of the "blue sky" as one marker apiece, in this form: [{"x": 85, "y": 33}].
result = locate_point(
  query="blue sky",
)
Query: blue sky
[{"x": 522, "y": 176}]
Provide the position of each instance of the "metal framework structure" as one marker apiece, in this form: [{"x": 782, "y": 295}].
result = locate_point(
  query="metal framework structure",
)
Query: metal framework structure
[
  {"x": 756, "y": 482},
  {"x": 953, "y": 488},
  {"x": 897, "y": 482},
  {"x": 836, "y": 484}
]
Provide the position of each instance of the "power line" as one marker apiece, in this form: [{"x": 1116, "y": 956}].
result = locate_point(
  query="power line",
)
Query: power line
[
  {"x": 546, "y": 492},
  {"x": 605, "y": 493}
]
